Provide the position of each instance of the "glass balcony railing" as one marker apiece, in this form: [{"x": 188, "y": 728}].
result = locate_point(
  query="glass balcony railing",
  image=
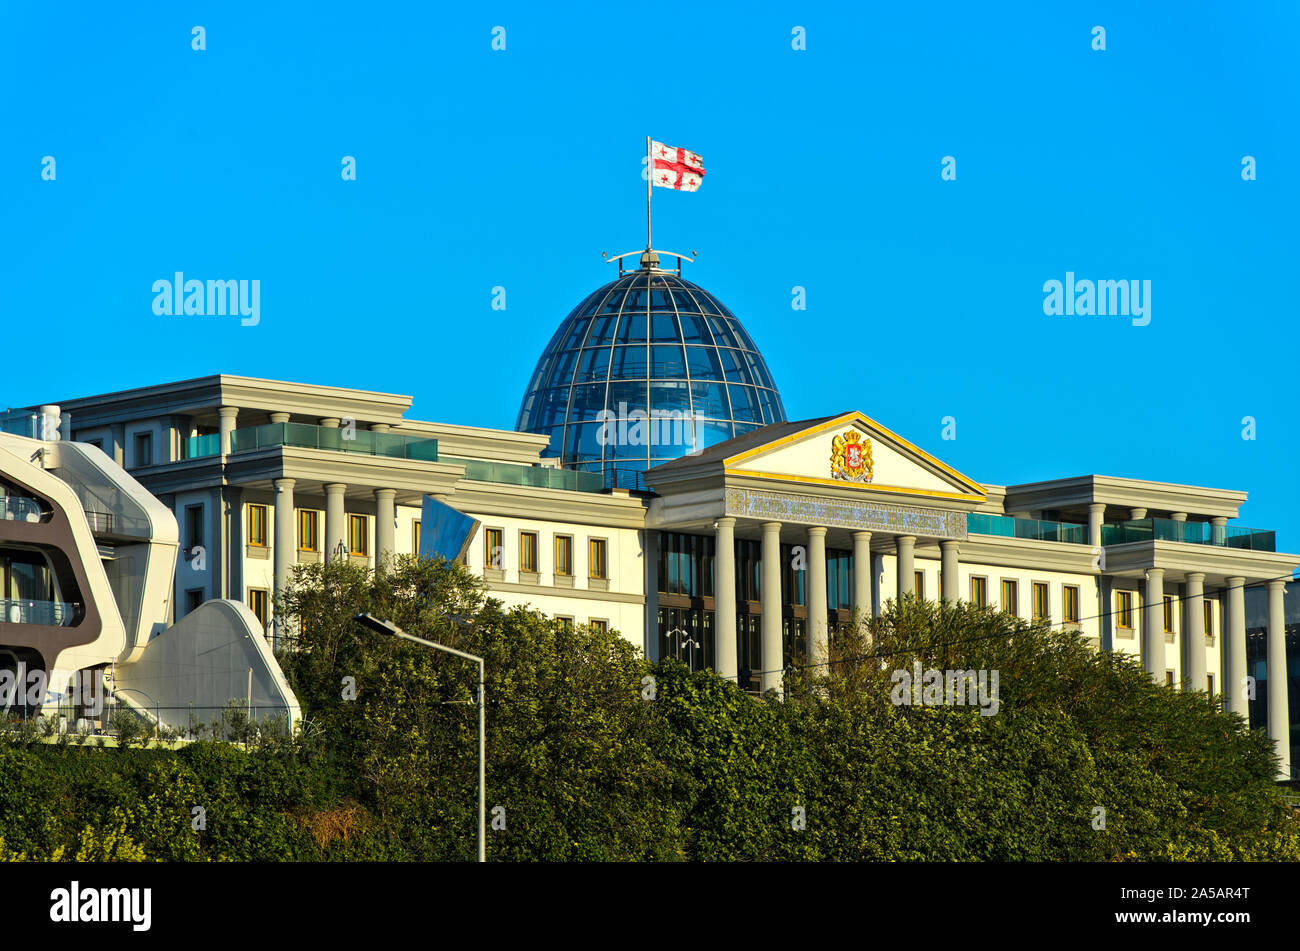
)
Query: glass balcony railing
[
  {"x": 1038, "y": 529},
  {"x": 1194, "y": 533},
  {"x": 361, "y": 441},
  {"x": 198, "y": 447},
  {"x": 21, "y": 423},
  {"x": 52, "y": 613},
  {"x": 511, "y": 473},
  {"x": 16, "y": 509}
]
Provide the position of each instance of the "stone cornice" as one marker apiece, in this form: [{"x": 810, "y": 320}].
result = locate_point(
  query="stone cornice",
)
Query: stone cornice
[
  {"x": 1027, "y": 553},
  {"x": 1215, "y": 561},
  {"x": 1125, "y": 493}
]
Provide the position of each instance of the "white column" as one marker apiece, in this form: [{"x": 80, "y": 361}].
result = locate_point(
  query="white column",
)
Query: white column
[
  {"x": 1234, "y": 648},
  {"x": 862, "y": 576},
  {"x": 1153, "y": 627},
  {"x": 725, "y": 661},
  {"x": 284, "y": 546},
  {"x": 385, "y": 530},
  {"x": 228, "y": 414},
  {"x": 951, "y": 588},
  {"x": 1096, "y": 514},
  {"x": 1279, "y": 720},
  {"x": 906, "y": 548},
  {"x": 1194, "y": 633},
  {"x": 1218, "y": 530},
  {"x": 335, "y": 521},
  {"x": 818, "y": 618},
  {"x": 773, "y": 655}
]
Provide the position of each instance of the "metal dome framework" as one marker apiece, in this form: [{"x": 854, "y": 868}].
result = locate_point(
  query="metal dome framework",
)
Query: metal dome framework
[{"x": 649, "y": 340}]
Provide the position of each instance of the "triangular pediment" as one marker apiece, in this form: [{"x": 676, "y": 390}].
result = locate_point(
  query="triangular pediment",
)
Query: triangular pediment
[{"x": 849, "y": 451}]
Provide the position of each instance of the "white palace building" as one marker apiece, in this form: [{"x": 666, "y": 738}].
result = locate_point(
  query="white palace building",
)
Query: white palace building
[{"x": 589, "y": 512}]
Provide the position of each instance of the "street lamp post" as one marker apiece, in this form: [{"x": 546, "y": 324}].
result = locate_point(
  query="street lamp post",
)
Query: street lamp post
[{"x": 368, "y": 620}]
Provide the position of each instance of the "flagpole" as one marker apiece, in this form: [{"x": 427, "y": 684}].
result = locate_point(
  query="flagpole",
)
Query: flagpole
[{"x": 649, "y": 172}]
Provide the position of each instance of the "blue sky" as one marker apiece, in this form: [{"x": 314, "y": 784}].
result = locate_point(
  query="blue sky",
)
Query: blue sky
[{"x": 478, "y": 168}]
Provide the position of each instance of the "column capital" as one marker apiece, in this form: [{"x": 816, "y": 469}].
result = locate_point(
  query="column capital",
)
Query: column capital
[
  {"x": 1099, "y": 507},
  {"x": 380, "y": 427},
  {"x": 771, "y": 528},
  {"x": 1196, "y": 577},
  {"x": 1235, "y": 582},
  {"x": 863, "y": 534},
  {"x": 1276, "y": 585},
  {"x": 1155, "y": 574},
  {"x": 725, "y": 521},
  {"x": 335, "y": 488},
  {"x": 284, "y": 483},
  {"x": 949, "y": 544},
  {"x": 228, "y": 412},
  {"x": 1179, "y": 516},
  {"x": 1219, "y": 521},
  {"x": 329, "y": 422},
  {"x": 279, "y": 417},
  {"x": 816, "y": 531},
  {"x": 385, "y": 494}
]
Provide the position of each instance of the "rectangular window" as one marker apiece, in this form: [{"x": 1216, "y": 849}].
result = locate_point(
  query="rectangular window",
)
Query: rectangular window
[
  {"x": 358, "y": 536},
  {"x": 1009, "y": 597},
  {"x": 193, "y": 598},
  {"x": 528, "y": 552},
  {"x": 257, "y": 601},
  {"x": 1169, "y": 678},
  {"x": 1070, "y": 597},
  {"x": 564, "y": 554},
  {"x": 1124, "y": 608},
  {"x": 596, "y": 567},
  {"x": 193, "y": 525},
  {"x": 1169, "y": 614},
  {"x": 308, "y": 530},
  {"x": 144, "y": 449},
  {"x": 599, "y": 626},
  {"x": 415, "y": 537},
  {"x": 257, "y": 525},
  {"x": 1042, "y": 611},
  {"x": 493, "y": 550},
  {"x": 918, "y": 584},
  {"x": 1209, "y": 683},
  {"x": 979, "y": 591},
  {"x": 1209, "y": 618},
  {"x": 566, "y": 623}
]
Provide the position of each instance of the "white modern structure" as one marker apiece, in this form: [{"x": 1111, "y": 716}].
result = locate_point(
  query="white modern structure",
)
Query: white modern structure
[{"x": 87, "y": 561}]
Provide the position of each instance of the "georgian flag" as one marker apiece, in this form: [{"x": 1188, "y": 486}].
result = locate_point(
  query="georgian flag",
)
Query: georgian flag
[{"x": 676, "y": 168}]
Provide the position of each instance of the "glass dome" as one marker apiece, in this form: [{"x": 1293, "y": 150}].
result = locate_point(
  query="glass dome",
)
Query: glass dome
[{"x": 648, "y": 368}]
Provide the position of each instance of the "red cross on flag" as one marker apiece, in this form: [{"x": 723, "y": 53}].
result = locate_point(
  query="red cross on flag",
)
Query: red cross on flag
[{"x": 676, "y": 168}]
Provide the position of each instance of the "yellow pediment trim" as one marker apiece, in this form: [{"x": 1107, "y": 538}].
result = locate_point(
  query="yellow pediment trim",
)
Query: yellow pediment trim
[
  {"x": 835, "y": 423},
  {"x": 841, "y": 484}
]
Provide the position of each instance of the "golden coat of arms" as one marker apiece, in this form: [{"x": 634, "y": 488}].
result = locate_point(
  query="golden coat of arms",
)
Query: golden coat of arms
[{"x": 851, "y": 457}]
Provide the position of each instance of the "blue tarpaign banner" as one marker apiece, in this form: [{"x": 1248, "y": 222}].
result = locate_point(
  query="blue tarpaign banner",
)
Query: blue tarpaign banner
[{"x": 444, "y": 531}]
